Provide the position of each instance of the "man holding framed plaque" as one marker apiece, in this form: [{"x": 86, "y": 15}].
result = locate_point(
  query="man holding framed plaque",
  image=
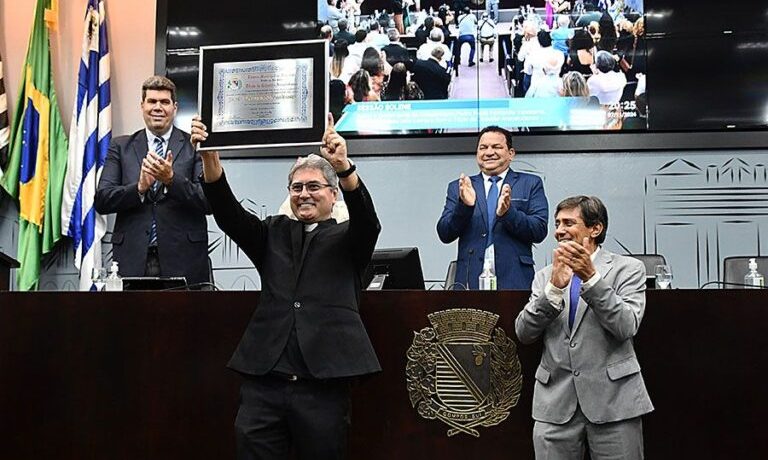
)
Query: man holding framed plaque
[{"x": 305, "y": 340}]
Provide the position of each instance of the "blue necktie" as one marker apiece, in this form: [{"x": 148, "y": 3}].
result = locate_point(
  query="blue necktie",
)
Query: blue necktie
[
  {"x": 493, "y": 202},
  {"x": 160, "y": 151},
  {"x": 575, "y": 291}
]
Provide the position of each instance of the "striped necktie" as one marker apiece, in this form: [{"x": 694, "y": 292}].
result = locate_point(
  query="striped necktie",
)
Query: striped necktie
[{"x": 160, "y": 151}]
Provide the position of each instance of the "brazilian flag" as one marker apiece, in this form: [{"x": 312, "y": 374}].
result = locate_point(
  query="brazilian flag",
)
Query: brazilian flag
[{"x": 38, "y": 153}]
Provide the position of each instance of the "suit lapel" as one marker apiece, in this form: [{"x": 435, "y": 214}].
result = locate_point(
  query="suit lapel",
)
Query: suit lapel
[
  {"x": 297, "y": 228},
  {"x": 480, "y": 200},
  {"x": 603, "y": 264},
  {"x": 176, "y": 145},
  {"x": 510, "y": 179},
  {"x": 140, "y": 147}
]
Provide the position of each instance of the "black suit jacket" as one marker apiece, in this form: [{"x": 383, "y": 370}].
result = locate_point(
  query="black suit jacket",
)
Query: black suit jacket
[
  {"x": 180, "y": 209},
  {"x": 432, "y": 78},
  {"x": 395, "y": 53},
  {"x": 315, "y": 285}
]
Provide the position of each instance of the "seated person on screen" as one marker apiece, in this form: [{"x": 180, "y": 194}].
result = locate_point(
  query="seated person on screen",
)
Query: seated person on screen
[
  {"x": 486, "y": 31},
  {"x": 431, "y": 77},
  {"x": 395, "y": 51},
  {"x": 606, "y": 84}
]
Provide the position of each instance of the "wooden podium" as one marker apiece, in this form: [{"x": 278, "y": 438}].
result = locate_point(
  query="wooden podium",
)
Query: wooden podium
[{"x": 6, "y": 264}]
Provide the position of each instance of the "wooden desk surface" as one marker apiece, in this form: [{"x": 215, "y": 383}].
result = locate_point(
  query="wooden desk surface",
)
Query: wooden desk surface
[{"x": 140, "y": 375}]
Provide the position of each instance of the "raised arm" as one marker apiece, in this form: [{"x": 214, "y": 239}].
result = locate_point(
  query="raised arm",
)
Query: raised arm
[
  {"x": 364, "y": 226},
  {"x": 245, "y": 229}
]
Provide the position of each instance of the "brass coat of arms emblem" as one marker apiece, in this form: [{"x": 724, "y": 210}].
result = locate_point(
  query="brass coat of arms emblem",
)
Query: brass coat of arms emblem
[{"x": 463, "y": 370}]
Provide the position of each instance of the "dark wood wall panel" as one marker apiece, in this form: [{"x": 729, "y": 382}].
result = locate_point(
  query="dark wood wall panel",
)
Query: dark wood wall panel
[{"x": 142, "y": 376}]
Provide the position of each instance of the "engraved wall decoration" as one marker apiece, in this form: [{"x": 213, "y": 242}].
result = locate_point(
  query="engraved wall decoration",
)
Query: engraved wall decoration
[{"x": 698, "y": 214}]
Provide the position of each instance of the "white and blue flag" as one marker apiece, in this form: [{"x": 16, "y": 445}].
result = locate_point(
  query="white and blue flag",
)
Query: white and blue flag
[{"x": 89, "y": 138}]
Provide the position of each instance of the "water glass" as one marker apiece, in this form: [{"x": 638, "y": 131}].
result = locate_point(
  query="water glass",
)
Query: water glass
[
  {"x": 99, "y": 277},
  {"x": 663, "y": 276}
]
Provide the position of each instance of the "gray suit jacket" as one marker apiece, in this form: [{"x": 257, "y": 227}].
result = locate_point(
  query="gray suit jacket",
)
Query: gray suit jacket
[{"x": 594, "y": 365}]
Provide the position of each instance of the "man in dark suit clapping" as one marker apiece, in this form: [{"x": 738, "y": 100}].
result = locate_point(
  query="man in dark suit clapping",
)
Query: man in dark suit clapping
[{"x": 150, "y": 179}]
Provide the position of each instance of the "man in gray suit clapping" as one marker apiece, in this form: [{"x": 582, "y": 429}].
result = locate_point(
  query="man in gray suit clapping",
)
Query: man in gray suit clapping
[{"x": 587, "y": 306}]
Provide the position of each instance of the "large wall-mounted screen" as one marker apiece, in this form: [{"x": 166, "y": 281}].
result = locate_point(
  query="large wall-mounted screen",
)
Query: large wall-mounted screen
[
  {"x": 553, "y": 66},
  {"x": 413, "y": 69}
]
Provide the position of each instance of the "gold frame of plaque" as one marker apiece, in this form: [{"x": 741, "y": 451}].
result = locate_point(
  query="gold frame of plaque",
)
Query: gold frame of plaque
[{"x": 260, "y": 95}]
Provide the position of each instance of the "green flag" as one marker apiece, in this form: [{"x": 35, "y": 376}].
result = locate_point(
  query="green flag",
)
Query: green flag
[{"x": 38, "y": 155}]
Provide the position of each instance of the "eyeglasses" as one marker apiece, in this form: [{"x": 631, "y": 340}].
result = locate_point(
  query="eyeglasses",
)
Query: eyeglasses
[{"x": 312, "y": 187}]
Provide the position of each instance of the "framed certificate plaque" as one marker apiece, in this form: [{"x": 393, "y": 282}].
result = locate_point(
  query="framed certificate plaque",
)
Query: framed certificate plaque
[{"x": 263, "y": 94}]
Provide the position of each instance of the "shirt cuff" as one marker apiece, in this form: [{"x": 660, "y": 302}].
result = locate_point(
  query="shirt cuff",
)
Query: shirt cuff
[
  {"x": 554, "y": 295},
  {"x": 591, "y": 282}
]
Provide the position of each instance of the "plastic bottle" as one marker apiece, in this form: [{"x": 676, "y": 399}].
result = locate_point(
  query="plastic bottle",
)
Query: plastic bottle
[
  {"x": 487, "y": 280},
  {"x": 114, "y": 282},
  {"x": 753, "y": 279}
]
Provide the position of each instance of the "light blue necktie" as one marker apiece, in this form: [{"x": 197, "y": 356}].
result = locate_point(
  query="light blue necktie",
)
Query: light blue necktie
[
  {"x": 160, "y": 151},
  {"x": 575, "y": 293},
  {"x": 493, "y": 202}
]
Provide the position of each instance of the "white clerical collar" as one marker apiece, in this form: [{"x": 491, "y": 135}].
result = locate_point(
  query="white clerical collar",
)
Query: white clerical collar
[{"x": 309, "y": 227}]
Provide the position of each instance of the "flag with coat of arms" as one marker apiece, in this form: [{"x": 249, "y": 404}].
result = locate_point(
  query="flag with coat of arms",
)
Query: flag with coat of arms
[{"x": 89, "y": 138}]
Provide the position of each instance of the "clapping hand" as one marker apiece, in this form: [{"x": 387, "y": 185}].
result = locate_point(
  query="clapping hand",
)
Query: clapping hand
[
  {"x": 158, "y": 167},
  {"x": 466, "y": 191},
  {"x": 576, "y": 257},
  {"x": 505, "y": 200}
]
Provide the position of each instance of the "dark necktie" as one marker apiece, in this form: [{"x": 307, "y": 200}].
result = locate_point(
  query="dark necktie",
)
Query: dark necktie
[
  {"x": 160, "y": 151},
  {"x": 575, "y": 291},
  {"x": 493, "y": 202}
]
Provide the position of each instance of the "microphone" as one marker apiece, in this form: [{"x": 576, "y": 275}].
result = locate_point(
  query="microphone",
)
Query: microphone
[{"x": 469, "y": 261}]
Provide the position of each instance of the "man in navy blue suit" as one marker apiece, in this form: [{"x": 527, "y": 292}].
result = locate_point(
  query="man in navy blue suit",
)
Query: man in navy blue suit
[{"x": 513, "y": 202}]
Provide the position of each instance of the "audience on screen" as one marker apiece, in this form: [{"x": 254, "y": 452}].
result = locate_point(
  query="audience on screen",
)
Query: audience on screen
[
  {"x": 362, "y": 90},
  {"x": 340, "y": 53},
  {"x": 378, "y": 69},
  {"x": 486, "y": 35},
  {"x": 557, "y": 60},
  {"x": 581, "y": 54},
  {"x": 606, "y": 84},
  {"x": 343, "y": 33},
  {"x": 607, "y": 30},
  {"x": 398, "y": 88},
  {"x": 395, "y": 51}
]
